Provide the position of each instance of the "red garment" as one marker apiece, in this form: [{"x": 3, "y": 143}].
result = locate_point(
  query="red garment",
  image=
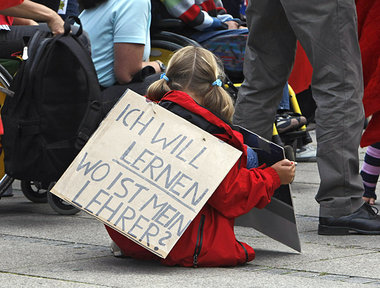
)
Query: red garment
[
  {"x": 195, "y": 12},
  {"x": 192, "y": 14},
  {"x": 9, "y": 3},
  {"x": 6, "y": 20},
  {"x": 239, "y": 192},
  {"x": 300, "y": 78},
  {"x": 369, "y": 30}
]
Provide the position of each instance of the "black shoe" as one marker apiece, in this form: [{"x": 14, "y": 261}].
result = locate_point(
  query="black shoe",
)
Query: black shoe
[{"x": 363, "y": 221}]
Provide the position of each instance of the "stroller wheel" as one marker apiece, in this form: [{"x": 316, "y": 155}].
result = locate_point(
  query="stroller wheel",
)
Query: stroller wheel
[
  {"x": 35, "y": 191},
  {"x": 60, "y": 206}
]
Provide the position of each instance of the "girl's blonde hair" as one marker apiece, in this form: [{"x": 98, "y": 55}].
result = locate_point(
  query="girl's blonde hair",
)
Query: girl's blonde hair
[{"x": 194, "y": 69}]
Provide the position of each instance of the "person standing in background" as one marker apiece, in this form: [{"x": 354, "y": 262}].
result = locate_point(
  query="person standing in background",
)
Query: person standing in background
[
  {"x": 337, "y": 88},
  {"x": 120, "y": 38}
]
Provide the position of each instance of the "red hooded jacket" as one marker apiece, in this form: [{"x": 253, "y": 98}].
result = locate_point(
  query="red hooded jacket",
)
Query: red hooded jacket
[{"x": 210, "y": 239}]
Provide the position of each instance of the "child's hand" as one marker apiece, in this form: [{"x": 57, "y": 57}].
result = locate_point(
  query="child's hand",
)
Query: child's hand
[{"x": 286, "y": 170}]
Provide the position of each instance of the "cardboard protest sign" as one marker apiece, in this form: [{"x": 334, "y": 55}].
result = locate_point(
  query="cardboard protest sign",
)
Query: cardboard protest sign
[
  {"x": 277, "y": 219},
  {"x": 146, "y": 172}
]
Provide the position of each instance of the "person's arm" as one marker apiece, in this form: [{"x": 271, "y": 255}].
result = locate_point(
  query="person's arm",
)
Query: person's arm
[
  {"x": 131, "y": 30},
  {"x": 128, "y": 61},
  {"x": 37, "y": 12},
  {"x": 23, "y": 21},
  {"x": 286, "y": 171},
  {"x": 242, "y": 189}
]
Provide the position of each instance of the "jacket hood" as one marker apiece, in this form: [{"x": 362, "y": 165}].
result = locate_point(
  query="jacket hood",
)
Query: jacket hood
[{"x": 203, "y": 118}]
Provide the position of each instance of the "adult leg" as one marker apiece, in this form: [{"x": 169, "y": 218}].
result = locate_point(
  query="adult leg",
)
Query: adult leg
[
  {"x": 327, "y": 30},
  {"x": 268, "y": 60}
]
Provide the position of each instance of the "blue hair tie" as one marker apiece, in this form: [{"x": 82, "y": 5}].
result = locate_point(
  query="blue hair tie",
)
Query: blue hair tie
[
  {"x": 217, "y": 82},
  {"x": 163, "y": 75}
]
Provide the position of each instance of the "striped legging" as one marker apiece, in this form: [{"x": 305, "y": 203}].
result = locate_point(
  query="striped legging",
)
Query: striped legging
[{"x": 371, "y": 170}]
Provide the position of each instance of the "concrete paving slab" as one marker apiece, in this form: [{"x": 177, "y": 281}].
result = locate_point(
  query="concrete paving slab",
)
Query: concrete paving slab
[
  {"x": 56, "y": 227},
  {"x": 17, "y": 251},
  {"x": 364, "y": 242},
  {"x": 307, "y": 223},
  {"x": 40, "y": 248},
  {"x": 112, "y": 272},
  {"x": 271, "y": 254},
  {"x": 11, "y": 280},
  {"x": 24, "y": 218},
  {"x": 304, "y": 202},
  {"x": 347, "y": 265},
  {"x": 307, "y": 173}
]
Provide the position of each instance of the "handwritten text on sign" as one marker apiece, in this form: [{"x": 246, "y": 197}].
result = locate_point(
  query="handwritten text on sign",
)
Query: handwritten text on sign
[{"x": 146, "y": 172}]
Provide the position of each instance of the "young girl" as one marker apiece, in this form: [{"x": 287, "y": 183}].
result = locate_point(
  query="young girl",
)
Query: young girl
[{"x": 192, "y": 89}]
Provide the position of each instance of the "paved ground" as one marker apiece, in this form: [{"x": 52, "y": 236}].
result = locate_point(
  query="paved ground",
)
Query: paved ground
[{"x": 40, "y": 248}]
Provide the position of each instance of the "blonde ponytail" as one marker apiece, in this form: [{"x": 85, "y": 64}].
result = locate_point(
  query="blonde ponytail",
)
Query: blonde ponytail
[
  {"x": 195, "y": 70},
  {"x": 219, "y": 102},
  {"x": 158, "y": 89}
]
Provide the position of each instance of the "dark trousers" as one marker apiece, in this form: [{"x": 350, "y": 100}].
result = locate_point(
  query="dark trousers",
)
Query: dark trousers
[{"x": 327, "y": 30}]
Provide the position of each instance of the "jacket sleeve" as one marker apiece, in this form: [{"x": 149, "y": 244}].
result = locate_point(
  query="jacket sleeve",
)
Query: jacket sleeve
[
  {"x": 10, "y": 3},
  {"x": 243, "y": 189},
  {"x": 195, "y": 16}
]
